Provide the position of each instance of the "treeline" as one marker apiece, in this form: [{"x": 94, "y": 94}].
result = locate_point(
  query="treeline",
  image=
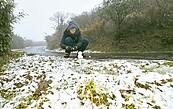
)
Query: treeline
[
  {"x": 123, "y": 25},
  {"x": 19, "y": 42}
]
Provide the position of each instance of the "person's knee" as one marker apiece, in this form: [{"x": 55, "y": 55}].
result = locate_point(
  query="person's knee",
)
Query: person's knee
[
  {"x": 85, "y": 41},
  {"x": 68, "y": 41}
]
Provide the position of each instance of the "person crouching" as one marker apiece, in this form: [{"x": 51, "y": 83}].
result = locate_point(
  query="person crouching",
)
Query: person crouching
[{"x": 72, "y": 40}]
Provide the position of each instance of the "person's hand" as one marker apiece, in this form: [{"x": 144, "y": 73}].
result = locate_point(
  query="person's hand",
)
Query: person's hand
[
  {"x": 68, "y": 48},
  {"x": 75, "y": 48}
]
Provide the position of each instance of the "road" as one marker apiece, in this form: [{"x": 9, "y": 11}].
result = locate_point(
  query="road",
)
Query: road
[{"x": 149, "y": 56}]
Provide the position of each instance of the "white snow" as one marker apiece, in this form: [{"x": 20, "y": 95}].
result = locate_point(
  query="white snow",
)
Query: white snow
[{"x": 50, "y": 82}]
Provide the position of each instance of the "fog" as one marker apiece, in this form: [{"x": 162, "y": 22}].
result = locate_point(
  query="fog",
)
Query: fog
[{"x": 36, "y": 24}]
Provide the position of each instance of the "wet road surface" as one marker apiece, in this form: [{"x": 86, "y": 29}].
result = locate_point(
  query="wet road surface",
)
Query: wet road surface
[{"x": 149, "y": 56}]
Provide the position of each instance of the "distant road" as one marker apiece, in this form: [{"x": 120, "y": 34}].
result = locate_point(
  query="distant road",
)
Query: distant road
[
  {"x": 150, "y": 56},
  {"x": 38, "y": 50}
]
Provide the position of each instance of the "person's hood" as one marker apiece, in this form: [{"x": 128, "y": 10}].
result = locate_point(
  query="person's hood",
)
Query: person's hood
[{"x": 72, "y": 24}]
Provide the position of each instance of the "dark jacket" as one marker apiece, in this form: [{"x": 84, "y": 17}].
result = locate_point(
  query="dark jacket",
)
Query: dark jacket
[{"x": 76, "y": 37}]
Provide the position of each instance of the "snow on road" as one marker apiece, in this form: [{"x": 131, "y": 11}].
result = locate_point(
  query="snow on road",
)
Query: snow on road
[{"x": 49, "y": 82}]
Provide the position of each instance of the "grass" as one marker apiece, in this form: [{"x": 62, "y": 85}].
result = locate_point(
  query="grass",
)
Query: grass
[{"x": 7, "y": 58}]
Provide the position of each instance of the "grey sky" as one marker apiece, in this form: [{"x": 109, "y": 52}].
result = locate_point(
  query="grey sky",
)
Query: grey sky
[{"x": 37, "y": 23}]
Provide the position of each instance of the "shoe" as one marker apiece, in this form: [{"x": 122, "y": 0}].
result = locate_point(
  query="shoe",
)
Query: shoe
[
  {"x": 84, "y": 55},
  {"x": 67, "y": 55},
  {"x": 80, "y": 55}
]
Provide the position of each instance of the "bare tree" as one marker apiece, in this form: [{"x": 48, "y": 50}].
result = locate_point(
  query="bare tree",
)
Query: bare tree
[{"x": 59, "y": 18}]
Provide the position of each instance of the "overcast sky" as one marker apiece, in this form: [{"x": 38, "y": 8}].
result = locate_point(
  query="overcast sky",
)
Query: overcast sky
[{"x": 37, "y": 24}]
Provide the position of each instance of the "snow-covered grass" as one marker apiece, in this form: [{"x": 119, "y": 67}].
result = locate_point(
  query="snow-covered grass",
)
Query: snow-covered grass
[{"x": 49, "y": 82}]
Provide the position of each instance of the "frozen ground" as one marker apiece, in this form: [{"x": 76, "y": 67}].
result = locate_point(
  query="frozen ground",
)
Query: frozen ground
[{"x": 49, "y": 82}]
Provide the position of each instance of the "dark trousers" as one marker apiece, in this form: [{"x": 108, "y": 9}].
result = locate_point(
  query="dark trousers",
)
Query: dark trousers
[{"x": 70, "y": 42}]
